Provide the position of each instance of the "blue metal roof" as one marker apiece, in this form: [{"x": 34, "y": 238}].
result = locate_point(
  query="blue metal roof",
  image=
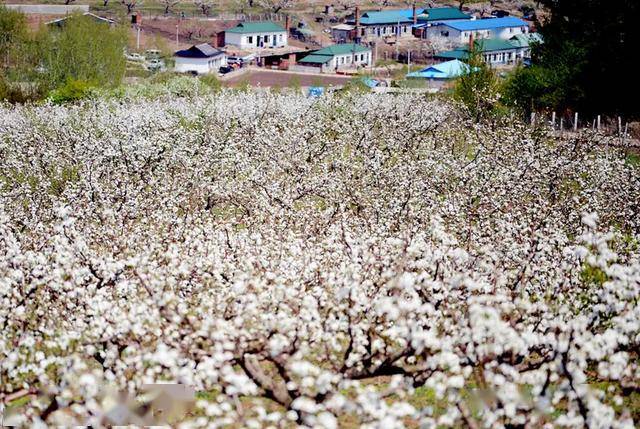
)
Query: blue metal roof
[
  {"x": 486, "y": 24},
  {"x": 447, "y": 70}
]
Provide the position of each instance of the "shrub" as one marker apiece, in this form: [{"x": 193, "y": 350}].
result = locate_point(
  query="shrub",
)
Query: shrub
[{"x": 72, "y": 90}]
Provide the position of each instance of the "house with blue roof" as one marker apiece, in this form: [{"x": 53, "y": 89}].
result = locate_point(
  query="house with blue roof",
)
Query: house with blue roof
[
  {"x": 459, "y": 32},
  {"x": 443, "y": 71},
  {"x": 400, "y": 22}
]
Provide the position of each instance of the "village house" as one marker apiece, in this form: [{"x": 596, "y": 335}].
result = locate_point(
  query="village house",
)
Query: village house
[
  {"x": 495, "y": 52},
  {"x": 459, "y": 32},
  {"x": 524, "y": 41},
  {"x": 256, "y": 35},
  {"x": 336, "y": 57},
  {"x": 400, "y": 22},
  {"x": 199, "y": 59}
]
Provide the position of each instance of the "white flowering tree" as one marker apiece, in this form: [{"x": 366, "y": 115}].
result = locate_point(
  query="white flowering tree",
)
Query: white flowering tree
[{"x": 353, "y": 260}]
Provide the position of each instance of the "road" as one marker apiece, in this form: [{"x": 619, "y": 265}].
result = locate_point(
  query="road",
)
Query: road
[{"x": 269, "y": 78}]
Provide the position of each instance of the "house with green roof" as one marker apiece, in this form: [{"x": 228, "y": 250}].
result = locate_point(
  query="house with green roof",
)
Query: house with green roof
[
  {"x": 336, "y": 57},
  {"x": 401, "y": 22},
  {"x": 256, "y": 35},
  {"x": 494, "y": 52}
]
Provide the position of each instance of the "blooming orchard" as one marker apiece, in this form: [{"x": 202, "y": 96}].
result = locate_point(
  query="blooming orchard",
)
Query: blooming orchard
[{"x": 353, "y": 260}]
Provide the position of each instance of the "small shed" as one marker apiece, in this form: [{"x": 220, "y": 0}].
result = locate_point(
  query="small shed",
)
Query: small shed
[{"x": 200, "y": 59}]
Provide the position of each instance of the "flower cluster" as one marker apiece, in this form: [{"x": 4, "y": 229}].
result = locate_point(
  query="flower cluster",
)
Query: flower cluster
[{"x": 349, "y": 261}]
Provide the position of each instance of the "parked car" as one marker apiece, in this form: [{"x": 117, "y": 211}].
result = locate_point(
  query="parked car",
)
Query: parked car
[
  {"x": 152, "y": 54},
  {"x": 225, "y": 69},
  {"x": 234, "y": 60},
  {"x": 155, "y": 65},
  {"x": 134, "y": 56}
]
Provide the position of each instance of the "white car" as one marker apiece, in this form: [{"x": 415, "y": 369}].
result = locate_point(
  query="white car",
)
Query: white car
[
  {"x": 151, "y": 54},
  {"x": 134, "y": 57},
  {"x": 155, "y": 65}
]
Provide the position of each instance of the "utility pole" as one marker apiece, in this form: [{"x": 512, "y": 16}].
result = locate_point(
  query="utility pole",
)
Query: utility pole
[
  {"x": 137, "y": 37},
  {"x": 397, "y": 39},
  {"x": 177, "y": 41}
]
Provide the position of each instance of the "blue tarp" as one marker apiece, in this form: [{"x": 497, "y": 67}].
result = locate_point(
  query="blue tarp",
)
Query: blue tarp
[
  {"x": 371, "y": 83},
  {"x": 447, "y": 70},
  {"x": 316, "y": 91}
]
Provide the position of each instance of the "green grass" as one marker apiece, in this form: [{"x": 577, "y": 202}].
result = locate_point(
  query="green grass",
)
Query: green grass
[{"x": 633, "y": 159}]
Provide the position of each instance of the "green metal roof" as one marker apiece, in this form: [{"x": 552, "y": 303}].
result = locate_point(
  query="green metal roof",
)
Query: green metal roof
[
  {"x": 524, "y": 40},
  {"x": 256, "y": 27},
  {"x": 484, "y": 45},
  {"x": 456, "y": 54},
  {"x": 316, "y": 59},
  {"x": 487, "y": 45},
  {"x": 442, "y": 14},
  {"x": 341, "y": 49}
]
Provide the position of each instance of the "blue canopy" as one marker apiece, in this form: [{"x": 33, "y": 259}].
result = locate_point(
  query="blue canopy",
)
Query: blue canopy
[{"x": 447, "y": 70}]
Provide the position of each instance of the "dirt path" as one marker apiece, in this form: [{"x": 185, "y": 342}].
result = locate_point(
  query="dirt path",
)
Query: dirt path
[{"x": 269, "y": 78}]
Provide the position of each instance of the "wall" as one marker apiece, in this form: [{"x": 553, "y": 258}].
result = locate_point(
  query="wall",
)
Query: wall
[
  {"x": 200, "y": 65},
  {"x": 242, "y": 40},
  {"x": 462, "y": 37},
  {"x": 48, "y": 9}
]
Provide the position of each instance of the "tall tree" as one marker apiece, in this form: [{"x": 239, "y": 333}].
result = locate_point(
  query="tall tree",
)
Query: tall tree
[
  {"x": 588, "y": 55},
  {"x": 83, "y": 50},
  {"x": 13, "y": 31}
]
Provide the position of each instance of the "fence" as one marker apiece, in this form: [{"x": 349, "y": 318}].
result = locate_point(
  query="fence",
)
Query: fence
[
  {"x": 48, "y": 9},
  {"x": 614, "y": 126},
  {"x": 276, "y": 17}
]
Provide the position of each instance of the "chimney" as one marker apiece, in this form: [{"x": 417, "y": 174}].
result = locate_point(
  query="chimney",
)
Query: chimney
[
  {"x": 357, "y": 17},
  {"x": 287, "y": 23},
  {"x": 415, "y": 14},
  {"x": 292, "y": 59},
  {"x": 214, "y": 41}
]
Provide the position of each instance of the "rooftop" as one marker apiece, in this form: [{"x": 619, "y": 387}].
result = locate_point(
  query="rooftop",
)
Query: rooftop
[
  {"x": 442, "y": 14},
  {"x": 447, "y": 70},
  {"x": 256, "y": 27},
  {"x": 486, "y": 24},
  {"x": 203, "y": 50},
  {"x": 393, "y": 16},
  {"x": 524, "y": 40},
  {"x": 324, "y": 55},
  {"x": 484, "y": 45}
]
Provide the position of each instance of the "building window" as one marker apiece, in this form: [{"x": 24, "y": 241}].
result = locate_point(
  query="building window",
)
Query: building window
[{"x": 250, "y": 39}]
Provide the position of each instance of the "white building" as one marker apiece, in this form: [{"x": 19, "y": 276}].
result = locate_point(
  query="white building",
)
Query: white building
[
  {"x": 459, "y": 32},
  {"x": 336, "y": 57},
  {"x": 256, "y": 35},
  {"x": 200, "y": 59}
]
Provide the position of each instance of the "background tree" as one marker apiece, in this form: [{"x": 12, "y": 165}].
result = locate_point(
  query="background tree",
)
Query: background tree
[
  {"x": 586, "y": 62},
  {"x": 131, "y": 5},
  {"x": 168, "y": 5},
  {"x": 83, "y": 50},
  {"x": 13, "y": 32},
  {"x": 276, "y": 6},
  {"x": 479, "y": 88},
  {"x": 205, "y": 6}
]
